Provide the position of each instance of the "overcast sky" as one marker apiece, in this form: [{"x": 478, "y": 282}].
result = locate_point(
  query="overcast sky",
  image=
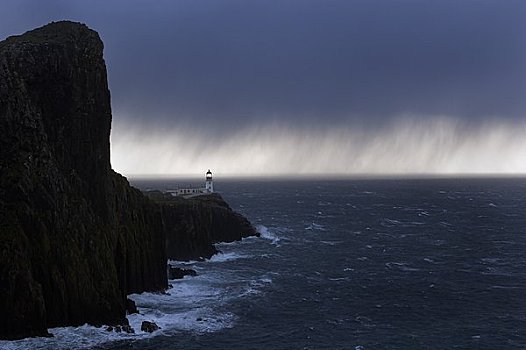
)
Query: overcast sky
[{"x": 221, "y": 67}]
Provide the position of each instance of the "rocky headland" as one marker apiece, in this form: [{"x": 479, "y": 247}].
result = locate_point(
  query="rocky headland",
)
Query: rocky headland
[
  {"x": 75, "y": 237},
  {"x": 194, "y": 224}
]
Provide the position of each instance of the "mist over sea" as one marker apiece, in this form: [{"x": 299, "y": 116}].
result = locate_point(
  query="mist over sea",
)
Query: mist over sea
[
  {"x": 436, "y": 263},
  {"x": 402, "y": 146}
]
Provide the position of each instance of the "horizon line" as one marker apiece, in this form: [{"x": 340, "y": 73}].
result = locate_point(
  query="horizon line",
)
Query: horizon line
[{"x": 329, "y": 175}]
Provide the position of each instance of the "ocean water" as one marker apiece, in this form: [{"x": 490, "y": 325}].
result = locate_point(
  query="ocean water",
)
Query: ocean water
[{"x": 345, "y": 264}]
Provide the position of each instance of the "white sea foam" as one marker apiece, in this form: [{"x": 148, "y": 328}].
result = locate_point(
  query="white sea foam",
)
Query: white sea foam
[
  {"x": 255, "y": 287},
  {"x": 390, "y": 222},
  {"x": 400, "y": 266},
  {"x": 222, "y": 257},
  {"x": 315, "y": 227},
  {"x": 177, "y": 262},
  {"x": 269, "y": 234},
  {"x": 196, "y": 305},
  {"x": 416, "y": 223},
  {"x": 198, "y": 319},
  {"x": 82, "y": 337},
  {"x": 193, "y": 304}
]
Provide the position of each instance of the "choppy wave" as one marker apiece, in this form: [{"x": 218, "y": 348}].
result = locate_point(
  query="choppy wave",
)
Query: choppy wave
[
  {"x": 331, "y": 243},
  {"x": 255, "y": 287},
  {"x": 269, "y": 234},
  {"x": 314, "y": 227},
  {"x": 401, "y": 266},
  {"x": 83, "y": 337},
  {"x": 185, "y": 309},
  {"x": 196, "y": 305},
  {"x": 319, "y": 284},
  {"x": 187, "y": 306},
  {"x": 222, "y": 257}
]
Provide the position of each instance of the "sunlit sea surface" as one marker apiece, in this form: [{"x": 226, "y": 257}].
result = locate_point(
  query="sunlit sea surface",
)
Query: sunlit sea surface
[{"x": 345, "y": 264}]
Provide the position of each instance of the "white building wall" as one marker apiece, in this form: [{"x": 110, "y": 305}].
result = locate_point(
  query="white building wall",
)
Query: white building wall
[{"x": 209, "y": 186}]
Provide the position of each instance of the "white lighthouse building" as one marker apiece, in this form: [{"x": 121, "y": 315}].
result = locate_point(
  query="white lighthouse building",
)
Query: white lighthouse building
[
  {"x": 196, "y": 191},
  {"x": 209, "y": 184}
]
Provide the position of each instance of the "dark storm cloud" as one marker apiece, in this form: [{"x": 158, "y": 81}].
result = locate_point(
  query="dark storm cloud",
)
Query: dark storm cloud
[{"x": 237, "y": 63}]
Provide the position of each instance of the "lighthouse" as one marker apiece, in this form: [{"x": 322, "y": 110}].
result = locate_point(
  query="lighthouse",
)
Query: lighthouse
[{"x": 209, "y": 185}]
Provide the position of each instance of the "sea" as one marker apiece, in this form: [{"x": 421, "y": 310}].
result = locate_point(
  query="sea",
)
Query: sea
[{"x": 363, "y": 263}]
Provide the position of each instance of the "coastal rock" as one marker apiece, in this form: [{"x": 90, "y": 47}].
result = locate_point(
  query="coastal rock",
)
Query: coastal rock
[
  {"x": 149, "y": 327},
  {"x": 194, "y": 224},
  {"x": 175, "y": 273},
  {"x": 128, "y": 329},
  {"x": 131, "y": 308},
  {"x": 75, "y": 238}
]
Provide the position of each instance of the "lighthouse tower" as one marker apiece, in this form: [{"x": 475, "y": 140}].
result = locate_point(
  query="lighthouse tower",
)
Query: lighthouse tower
[{"x": 209, "y": 185}]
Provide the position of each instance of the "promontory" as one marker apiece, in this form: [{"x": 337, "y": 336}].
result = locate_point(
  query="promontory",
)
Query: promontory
[{"x": 75, "y": 237}]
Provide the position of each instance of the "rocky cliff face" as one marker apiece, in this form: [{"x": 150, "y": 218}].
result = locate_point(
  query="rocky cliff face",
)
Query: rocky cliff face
[
  {"x": 75, "y": 238},
  {"x": 193, "y": 225}
]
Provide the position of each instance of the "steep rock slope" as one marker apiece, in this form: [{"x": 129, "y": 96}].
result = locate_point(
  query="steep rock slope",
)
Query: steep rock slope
[
  {"x": 194, "y": 224},
  {"x": 75, "y": 238}
]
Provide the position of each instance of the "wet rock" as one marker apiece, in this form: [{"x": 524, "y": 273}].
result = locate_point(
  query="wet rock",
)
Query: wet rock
[
  {"x": 128, "y": 329},
  {"x": 109, "y": 329},
  {"x": 175, "y": 273},
  {"x": 149, "y": 327},
  {"x": 75, "y": 237},
  {"x": 194, "y": 225},
  {"x": 131, "y": 308}
]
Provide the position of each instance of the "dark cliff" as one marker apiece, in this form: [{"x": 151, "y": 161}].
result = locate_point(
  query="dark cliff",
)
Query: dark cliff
[
  {"x": 75, "y": 238},
  {"x": 194, "y": 224}
]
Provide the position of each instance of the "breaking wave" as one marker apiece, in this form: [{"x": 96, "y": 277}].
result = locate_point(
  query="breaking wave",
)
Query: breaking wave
[{"x": 269, "y": 234}]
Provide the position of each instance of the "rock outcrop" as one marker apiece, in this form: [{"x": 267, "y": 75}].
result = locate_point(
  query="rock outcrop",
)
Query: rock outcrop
[
  {"x": 75, "y": 238},
  {"x": 177, "y": 273},
  {"x": 194, "y": 224},
  {"x": 149, "y": 327}
]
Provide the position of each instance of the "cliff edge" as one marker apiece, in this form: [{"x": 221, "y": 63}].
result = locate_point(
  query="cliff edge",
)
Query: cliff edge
[
  {"x": 75, "y": 238},
  {"x": 194, "y": 224}
]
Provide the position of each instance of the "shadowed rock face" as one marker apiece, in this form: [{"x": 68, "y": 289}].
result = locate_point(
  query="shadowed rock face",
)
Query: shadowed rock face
[
  {"x": 193, "y": 225},
  {"x": 75, "y": 238}
]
